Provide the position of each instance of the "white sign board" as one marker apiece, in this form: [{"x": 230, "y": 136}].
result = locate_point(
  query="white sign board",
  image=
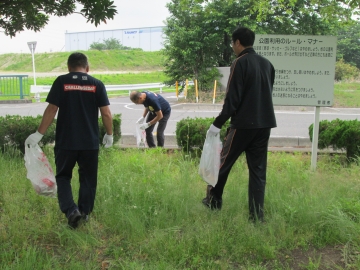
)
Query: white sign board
[
  {"x": 32, "y": 46},
  {"x": 305, "y": 68}
]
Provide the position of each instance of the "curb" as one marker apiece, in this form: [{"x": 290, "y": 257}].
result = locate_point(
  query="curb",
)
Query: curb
[
  {"x": 276, "y": 144},
  {"x": 129, "y": 140},
  {"x": 15, "y": 101}
]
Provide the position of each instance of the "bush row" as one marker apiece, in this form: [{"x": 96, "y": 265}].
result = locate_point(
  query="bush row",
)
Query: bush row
[
  {"x": 190, "y": 133},
  {"x": 14, "y": 129},
  {"x": 339, "y": 134}
]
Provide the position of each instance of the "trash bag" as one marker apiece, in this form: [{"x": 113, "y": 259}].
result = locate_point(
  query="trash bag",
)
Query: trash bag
[
  {"x": 140, "y": 136},
  {"x": 39, "y": 171},
  {"x": 210, "y": 159}
]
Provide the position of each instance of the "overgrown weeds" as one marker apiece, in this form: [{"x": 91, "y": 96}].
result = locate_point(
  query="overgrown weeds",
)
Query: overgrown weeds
[{"x": 148, "y": 215}]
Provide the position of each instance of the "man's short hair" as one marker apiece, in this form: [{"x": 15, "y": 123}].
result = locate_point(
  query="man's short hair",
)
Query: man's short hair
[
  {"x": 244, "y": 35},
  {"x": 135, "y": 95},
  {"x": 77, "y": 60}
]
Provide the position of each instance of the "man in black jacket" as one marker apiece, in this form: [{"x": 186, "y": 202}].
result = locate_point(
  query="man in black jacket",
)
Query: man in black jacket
[{"x": 248, "y": 102}]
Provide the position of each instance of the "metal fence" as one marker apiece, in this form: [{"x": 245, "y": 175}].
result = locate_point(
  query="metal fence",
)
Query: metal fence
[{"x": 14, "y": 85}]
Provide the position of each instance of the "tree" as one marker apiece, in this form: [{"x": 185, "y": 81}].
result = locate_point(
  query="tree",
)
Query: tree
[
  {"x": 327, "y": 10},
  {"x": 16, "y": 16},
  {"x": 348, "y": 45},
  {"x": 188, "y": 43},
  {"x": 198, "y": 32},
  {"x": 108, "y": 44}
]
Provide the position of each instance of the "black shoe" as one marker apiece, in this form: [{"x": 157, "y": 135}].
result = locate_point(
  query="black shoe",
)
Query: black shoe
[
  {"x": 84, "y": 217},
  {"x": 211, "y": 201},
  {"x": 255, "y": 219},
  {"x": 74, "y": 218}
]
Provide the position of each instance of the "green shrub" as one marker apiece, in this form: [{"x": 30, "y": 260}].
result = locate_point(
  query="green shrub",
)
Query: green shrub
[
  {"x": 14, "y": 129},
  {"x": 339, "y": 134},
  {"x": 116, "y": 128},
  {"x": 109, "y": 44},
  {"x": 344, "y": 71},
  {"x": 191, "y": 132}
]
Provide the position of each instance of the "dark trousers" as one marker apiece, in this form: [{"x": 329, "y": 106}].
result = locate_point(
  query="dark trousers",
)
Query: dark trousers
[
  {"x": 87, "y": 161},
  {"x": 255, "y": 144},
  {"x": 159, "y": 132}
]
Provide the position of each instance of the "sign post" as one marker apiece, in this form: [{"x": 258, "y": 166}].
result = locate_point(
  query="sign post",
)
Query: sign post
[
  {"x": 304, "y": 75},
  {"x": 32, "y": 46}
]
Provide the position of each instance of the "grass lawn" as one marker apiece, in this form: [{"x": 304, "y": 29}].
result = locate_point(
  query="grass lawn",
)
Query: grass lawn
[
  {"x": 347, "y": 95},
  {"x": 148, "y": 215}
]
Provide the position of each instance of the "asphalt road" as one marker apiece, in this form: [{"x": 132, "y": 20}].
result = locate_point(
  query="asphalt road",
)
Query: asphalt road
[{"x": 292, "y": 121}]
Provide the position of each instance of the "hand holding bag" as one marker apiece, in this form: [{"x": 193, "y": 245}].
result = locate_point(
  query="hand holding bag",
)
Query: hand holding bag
[
  {"x": 140, "y": 136},
  {"x": 210, "y": 159},
  {"x": 39, "y": 171}
]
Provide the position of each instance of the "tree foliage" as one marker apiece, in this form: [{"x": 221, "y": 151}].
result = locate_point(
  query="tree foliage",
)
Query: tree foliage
[
  {"x": 198, "y": 32},
  {"x": 188, "y": 43},
  {"x": 345, "y": 71},
  {"x": 348, "y": 45},
  {"x": 16, "y": 16},
  {"x": 108, "y": 44}
]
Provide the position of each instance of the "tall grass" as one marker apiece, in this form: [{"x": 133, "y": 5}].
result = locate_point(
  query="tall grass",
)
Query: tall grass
[{"x": 148, "y": 215}]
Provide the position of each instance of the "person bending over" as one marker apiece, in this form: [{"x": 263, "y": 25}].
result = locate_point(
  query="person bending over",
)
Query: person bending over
[{"x": 157, "y": 110}]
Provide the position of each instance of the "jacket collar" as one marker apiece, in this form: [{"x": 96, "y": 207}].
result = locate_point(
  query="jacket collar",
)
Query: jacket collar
[{"x": 247, "y": 50}]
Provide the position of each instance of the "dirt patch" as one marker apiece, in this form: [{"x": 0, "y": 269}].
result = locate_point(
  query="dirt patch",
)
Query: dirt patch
[{"x": 338, "y": 257}]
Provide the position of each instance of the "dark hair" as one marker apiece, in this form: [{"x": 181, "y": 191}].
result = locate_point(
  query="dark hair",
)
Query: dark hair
[
  {"x": 244, "y": 35},
  {"x": 77, "y": 60}
]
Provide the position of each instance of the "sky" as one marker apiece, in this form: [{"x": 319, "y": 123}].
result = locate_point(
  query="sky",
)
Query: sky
[{"x": 131, "y": 14}]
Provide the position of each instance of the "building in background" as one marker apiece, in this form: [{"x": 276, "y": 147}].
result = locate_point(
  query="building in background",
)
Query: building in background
[{"x": 147, "y": 38}]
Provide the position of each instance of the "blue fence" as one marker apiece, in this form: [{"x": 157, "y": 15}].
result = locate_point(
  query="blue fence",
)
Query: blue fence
[{"x": 14, "y": 85}]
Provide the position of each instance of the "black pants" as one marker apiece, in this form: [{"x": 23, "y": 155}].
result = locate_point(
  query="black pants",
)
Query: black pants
[
  {"x": 255, "y": 144},
  {"x": 87, "y": 161},
  {"x": 159, "y": 132}
]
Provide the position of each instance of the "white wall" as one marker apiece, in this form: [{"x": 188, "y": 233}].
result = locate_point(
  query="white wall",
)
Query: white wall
[
  {"x": 225, "y": 71},
  {"x": 147, "y": 38}
]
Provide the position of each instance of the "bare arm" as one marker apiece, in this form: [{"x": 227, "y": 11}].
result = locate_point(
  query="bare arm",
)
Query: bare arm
[
  {"x": 106, "y": 119},
  {"x": 48, "y": 117},
  {"x": 145, "y": 112},
  {"x": 157, "y": 118}
]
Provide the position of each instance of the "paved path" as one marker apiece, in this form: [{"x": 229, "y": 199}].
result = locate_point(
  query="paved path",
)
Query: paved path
[{"x": 292, "y": 130}]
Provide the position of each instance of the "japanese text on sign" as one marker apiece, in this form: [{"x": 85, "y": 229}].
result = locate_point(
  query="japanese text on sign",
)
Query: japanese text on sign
[{"x": 304, "y": 68}]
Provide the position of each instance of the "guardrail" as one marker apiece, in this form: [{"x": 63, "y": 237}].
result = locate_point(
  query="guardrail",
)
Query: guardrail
[
  {"x": 37, "y": 89},
  {"x": 13, "y": 85}
]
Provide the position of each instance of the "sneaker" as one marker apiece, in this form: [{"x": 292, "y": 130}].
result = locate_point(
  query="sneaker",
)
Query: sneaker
[
  {"x": 74, "y": 218},
  {"x": 211, "y": 201}
]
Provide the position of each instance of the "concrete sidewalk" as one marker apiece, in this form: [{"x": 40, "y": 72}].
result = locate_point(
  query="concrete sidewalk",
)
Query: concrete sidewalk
[
  {"x": 170, "y": 141},
  {"x": 276, "y": 144}
]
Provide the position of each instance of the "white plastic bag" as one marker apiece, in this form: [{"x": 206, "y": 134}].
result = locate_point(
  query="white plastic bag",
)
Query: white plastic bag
[
  {"x": 140, "y": 136},
  {"x": 39, "y": 171},
  {"x": 210, "y": 159}
]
